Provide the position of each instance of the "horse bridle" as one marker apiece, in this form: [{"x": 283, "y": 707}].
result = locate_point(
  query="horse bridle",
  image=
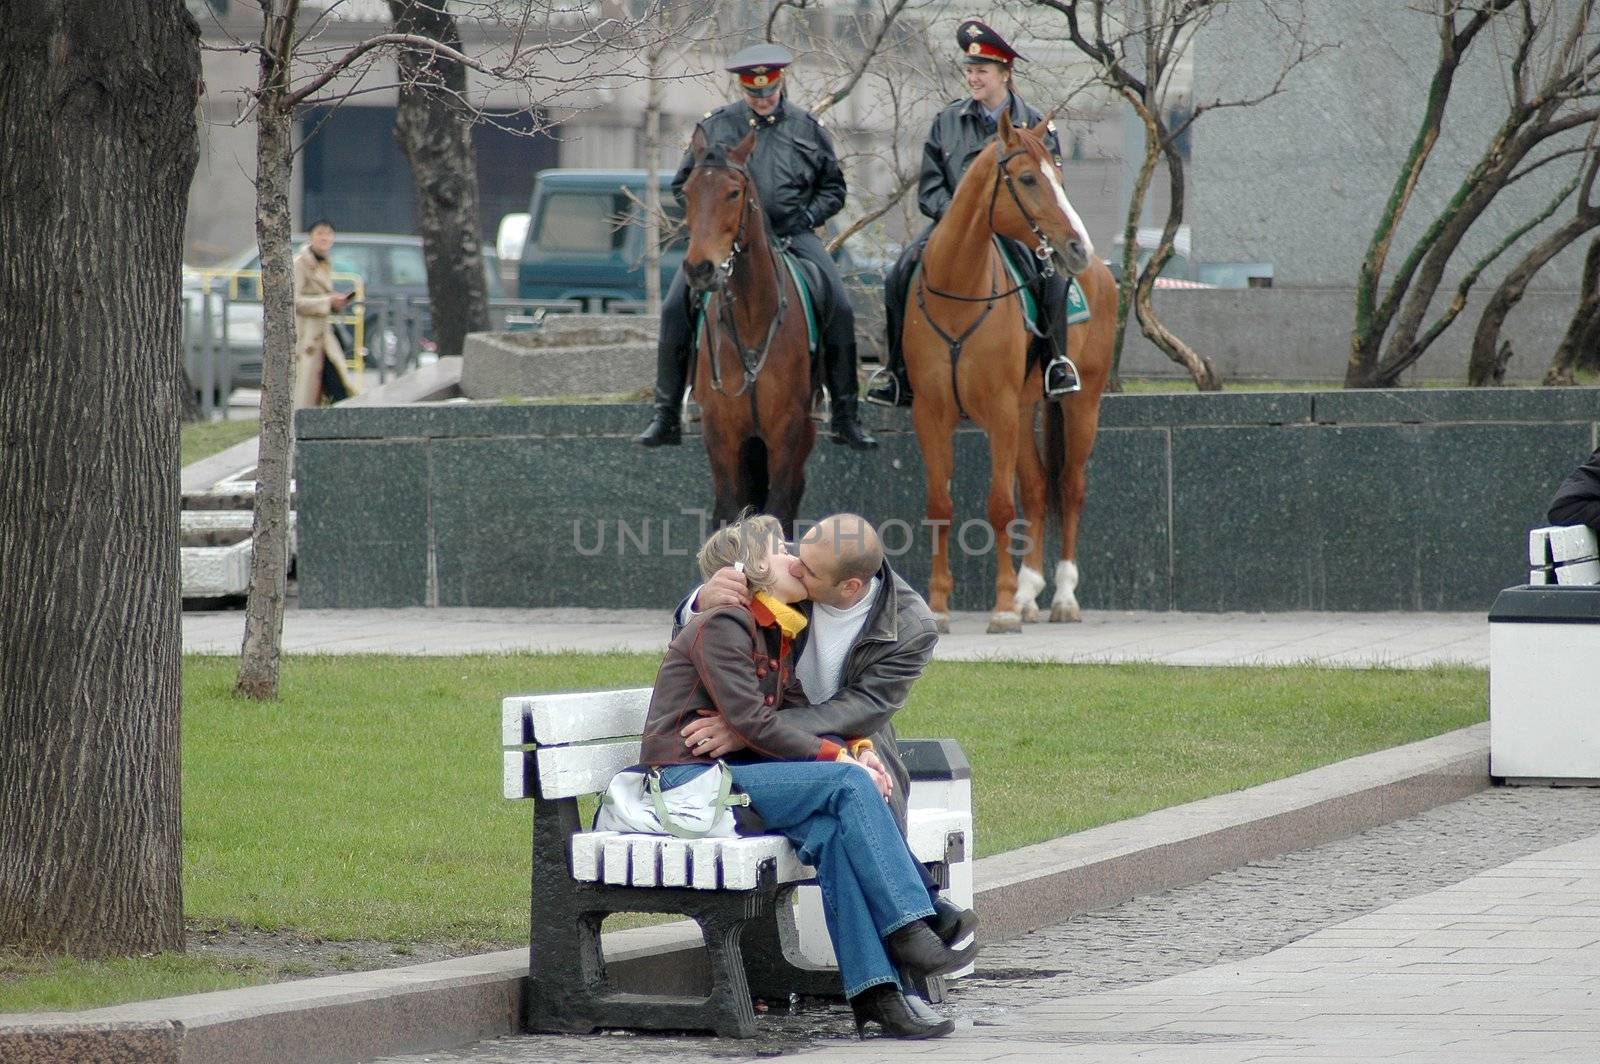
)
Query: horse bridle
[{"x": 751, "y": 358}]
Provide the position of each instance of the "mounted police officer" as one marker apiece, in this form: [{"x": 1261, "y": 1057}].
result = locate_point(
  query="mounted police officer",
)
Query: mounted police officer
[
  {"x": 801, "y": 186},
  {"x": 959, "y": 133}
]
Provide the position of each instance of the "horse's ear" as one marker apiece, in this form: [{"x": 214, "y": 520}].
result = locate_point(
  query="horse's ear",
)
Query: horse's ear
[
  {"x": 741, "y": 151},
  {"x": 1008, "y": 133},
  {"x": 698, "y": 144}
]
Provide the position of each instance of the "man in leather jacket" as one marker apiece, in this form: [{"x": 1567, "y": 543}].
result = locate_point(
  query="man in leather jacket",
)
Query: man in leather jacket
[
  {"x": 959, "y": 133},
  {"x": 801, "y": 186}
]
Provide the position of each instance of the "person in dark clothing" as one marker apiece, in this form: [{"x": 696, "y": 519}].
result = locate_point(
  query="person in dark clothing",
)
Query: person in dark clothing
[
  {"x": 801, "y": 186},
  {"x": 959, "y": 133},
  {"x": 1577, "y": 501}
]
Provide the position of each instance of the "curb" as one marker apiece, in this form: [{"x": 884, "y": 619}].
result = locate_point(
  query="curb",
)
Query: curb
[{"x": 416, "y": 1009}]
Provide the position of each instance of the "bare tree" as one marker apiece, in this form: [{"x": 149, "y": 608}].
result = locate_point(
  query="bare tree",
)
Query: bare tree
[
  {"x": 546, "y": 49},
  {"x": 1582, "y": 339},
  {"x": 1552, "y": 79},
  {"x": 98, "y": 145},
  {"x": 1487, "y": 364},
  {"x": 1136, "y": 47},
  {"x": 435, "y": 132}
]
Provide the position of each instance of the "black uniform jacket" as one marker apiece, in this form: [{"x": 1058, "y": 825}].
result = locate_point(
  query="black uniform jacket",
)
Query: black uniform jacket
[
  {"x": 796, "y": 171},
  {"x": 959, "y": 133},
  {"x": 1577, "y": 501}
]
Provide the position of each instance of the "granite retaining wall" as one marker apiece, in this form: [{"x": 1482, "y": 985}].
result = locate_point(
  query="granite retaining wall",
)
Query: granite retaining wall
[{"x": 1371, "y": 500}]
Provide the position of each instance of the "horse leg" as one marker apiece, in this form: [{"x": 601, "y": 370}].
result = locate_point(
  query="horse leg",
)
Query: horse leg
[
  {"x": 1031, "y": 478},
  {"x": 724, "y": 452},
  {"x": 936, "y": 436},
  {"x": 1082, "y": 413},
  {"x": 1002, "y": 510},
  {"x": 786, "y": 472}
]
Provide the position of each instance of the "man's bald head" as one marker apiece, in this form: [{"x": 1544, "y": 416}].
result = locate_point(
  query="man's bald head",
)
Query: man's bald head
[{"x": 841, "y": 555}]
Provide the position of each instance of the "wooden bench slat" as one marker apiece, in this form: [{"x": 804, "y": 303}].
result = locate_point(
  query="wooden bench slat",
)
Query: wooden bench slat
[
  {"x": 568, "y": 771},
  {"x": 575, "y": 717}
]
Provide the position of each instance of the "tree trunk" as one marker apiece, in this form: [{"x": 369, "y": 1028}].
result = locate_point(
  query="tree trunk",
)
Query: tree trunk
[
  {"x": 1583, "y": 331},
  {"x": 1130, "y": 239},
  {"x": 269, "y": 562},
  {"x": 1486, "y": 366},
  {"x": 98, "y": 145},
  {"x": 437, "y": 140},
  {"x": 652, "y": 183},
  {"x": 1201, "y": 370}
]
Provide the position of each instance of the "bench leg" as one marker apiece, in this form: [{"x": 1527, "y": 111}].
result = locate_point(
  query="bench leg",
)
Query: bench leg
[
  {"x": 728, "y": 1008},
  {"x": 770, "y": 942}
]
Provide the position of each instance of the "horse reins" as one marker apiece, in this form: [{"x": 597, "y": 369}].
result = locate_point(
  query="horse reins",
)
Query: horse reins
[
  {"x": 751, "y": 358},
  {"x": 1044, "y": 252}
]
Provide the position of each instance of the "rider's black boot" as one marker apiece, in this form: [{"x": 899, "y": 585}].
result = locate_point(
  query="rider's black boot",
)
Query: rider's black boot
[
  {"x": 672, "y": 372},
  {"x": 847, "y": 424}
]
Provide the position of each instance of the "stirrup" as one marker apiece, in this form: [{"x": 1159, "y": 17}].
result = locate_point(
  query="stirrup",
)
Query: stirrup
[
  {"x": 1062, "y": 366},
  {"x": 883, "y": 380}
]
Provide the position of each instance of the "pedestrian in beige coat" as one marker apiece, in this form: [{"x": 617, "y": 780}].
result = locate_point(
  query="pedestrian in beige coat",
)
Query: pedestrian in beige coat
[{"x": 315, "y": 302}]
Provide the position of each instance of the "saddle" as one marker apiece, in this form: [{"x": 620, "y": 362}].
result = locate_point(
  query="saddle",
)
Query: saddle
[{"x": 813, "y": 301}]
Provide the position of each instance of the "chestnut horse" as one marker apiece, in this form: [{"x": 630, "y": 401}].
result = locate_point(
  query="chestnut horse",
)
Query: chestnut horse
[
  {"x": 966, "y": 352},
  {"x": 753, "y": 376}
]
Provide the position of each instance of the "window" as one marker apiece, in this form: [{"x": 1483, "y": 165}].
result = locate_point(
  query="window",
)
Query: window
[
  {"x": 582, "y": 221},
  {"x": 406, "y": 267},
  {"x": 353, "y": 258}
]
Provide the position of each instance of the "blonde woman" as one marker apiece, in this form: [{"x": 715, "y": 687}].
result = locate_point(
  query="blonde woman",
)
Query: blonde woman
[{"x": 739, "y": 661}]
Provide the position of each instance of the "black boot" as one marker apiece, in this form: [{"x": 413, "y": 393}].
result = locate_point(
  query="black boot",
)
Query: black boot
[
  {"x": 1060, "y": 378},
  {"x": 847, "y": 424},
  {"x": 886, "y": 1006},
  {"x": 672, "y": 377},
  {"x": 917, "y": 948},
  {"x": 955, "y": 926},
  {"x": 666, "y": 429}
]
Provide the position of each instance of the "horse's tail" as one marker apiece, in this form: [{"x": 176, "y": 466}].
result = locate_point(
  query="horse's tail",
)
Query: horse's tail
[{"x": 1055, "y": 459}]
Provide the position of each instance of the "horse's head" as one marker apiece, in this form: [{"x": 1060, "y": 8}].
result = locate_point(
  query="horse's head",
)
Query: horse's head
[
  {"x": 720, "y": 210},
  {"x": 1033, "y": 207}
]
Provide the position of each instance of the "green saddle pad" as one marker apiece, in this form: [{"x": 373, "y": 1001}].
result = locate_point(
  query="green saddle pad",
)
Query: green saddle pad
[
  {"x": 1077, "y": 306},
  {"x": 813, "y": 328}
]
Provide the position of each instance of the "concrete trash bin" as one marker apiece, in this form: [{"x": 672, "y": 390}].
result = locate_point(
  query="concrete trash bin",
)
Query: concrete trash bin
[{"x": 1544, "y": 685}]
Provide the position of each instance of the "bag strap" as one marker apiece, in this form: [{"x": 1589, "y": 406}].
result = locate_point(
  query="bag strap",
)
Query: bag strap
[{"x": 724, "y": 798}]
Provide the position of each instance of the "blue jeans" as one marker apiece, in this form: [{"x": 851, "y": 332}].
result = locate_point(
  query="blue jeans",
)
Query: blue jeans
[{"x": 834, "y": 816}]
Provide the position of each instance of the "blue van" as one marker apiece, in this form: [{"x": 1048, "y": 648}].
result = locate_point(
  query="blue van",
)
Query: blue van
[{"x": 586, "y": 237}]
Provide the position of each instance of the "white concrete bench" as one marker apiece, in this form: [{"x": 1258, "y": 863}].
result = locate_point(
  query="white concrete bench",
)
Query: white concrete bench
[
  {"x": 1563, "y": 554},
  {"x": 558, "y": 748}
]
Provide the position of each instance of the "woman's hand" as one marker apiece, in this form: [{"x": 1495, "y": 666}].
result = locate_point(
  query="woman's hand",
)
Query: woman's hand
[{"x": 710, "y": 736}]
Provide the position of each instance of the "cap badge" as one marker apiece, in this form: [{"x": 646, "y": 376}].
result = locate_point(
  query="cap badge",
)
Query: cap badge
[
  {"x": 760, "y": 81},
  {"x": 973, "y": 31},
  {"x": 974, "y": 48}
]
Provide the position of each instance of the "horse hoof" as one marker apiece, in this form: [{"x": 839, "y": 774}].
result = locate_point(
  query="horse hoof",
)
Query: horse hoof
[
  {"x": 941, "y": 621},
  {"x": 1005, "y": 621},
  {"x": 1030, "y": 614},
  {"x": 1061, "y": 612}
]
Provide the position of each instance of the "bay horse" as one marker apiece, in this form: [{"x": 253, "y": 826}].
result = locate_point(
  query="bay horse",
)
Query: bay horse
[
  {"x": 753, "y": 374},
  {"x": 966, "y": 352}
]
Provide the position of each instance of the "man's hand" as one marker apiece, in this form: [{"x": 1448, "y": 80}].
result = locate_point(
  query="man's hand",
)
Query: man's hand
[
  {"x": 868, "y": 759},
  {"x": 710, "y": 736},
  {"x": 725, "y": 588}
]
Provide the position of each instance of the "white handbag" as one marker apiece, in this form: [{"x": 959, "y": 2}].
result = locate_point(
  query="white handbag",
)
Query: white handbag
[{"x": 702, "y": 808}]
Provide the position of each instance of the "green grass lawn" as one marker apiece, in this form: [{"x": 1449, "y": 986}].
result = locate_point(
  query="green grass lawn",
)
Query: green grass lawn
[
  {"x": 206, "y": 438},
  {"x": 366, "y": 803}
]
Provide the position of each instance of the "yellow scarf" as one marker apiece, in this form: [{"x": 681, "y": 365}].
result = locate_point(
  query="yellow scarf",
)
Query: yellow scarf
[{"x": 789, "y": 619}]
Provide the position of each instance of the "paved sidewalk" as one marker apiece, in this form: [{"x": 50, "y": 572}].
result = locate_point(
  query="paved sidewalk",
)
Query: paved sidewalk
[
  {"x": 1503, "y": 967},
  {"x": 1408, "y": 640},
  {"x": 1467, "y": 933}
]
